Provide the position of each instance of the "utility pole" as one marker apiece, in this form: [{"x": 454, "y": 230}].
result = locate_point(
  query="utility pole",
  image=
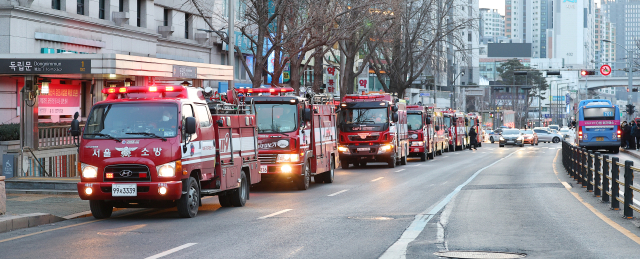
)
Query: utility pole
[
  {"x": 232, "y": 40},
  {"x": 630, "y": 74}
]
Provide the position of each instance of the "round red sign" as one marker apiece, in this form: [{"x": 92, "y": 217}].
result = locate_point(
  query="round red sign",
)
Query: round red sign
[{"x": 605, "y": 70}]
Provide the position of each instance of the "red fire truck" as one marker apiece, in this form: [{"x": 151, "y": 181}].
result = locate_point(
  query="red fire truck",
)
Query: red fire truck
[
  {"x": 437, "y": 123},
  {"x": 455, "y": 128},
  {"x": 162, "y": 146},
  {"x": 373, "y": 128},
  {"x": 297, "y": 136},
  {"x": 421, "y": 132}
]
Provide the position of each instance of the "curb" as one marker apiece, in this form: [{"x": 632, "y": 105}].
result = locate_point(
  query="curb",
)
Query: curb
[
  {"x": 44, "y": 191},
  {"x": 630, "y": 153},
  {"x": 14, "y": 222}
]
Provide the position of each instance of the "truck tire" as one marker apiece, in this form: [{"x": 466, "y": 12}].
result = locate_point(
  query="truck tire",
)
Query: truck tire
[
  {"x": 403, "y": 160},
  {"x": 224, "y": 200},
  {"x": 423, "y": 156},
  {"x": 392, "y": 161},
  {"x": 100, "y": 209},
  {"x": 302, "y": 181},
  {"x": 344, "y": 164},
  {"x": 327, "y": 177},
  {"x": 451, "y": 148},
  {"x": 189, "y": 202},
  {"x": 239, "y": 196}
]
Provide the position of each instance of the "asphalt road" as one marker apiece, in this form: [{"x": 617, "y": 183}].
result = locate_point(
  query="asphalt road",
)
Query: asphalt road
[{"x": 493, "y": 199}]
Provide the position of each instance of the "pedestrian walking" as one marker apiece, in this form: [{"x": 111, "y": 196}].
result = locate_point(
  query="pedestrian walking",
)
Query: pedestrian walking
[
  {"x": 474, "y": 139},
  {"x": 632, "y": 135},
  {"x": 626, "y": 132}
]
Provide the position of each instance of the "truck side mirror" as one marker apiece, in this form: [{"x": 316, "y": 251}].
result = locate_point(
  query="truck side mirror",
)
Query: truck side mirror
[
  {"x": 306, "y": 114},
  {"x": 75, "y": 125},
  {"x": 394, "y": 108},
  {"x": 466, "y": 122},
  {"x": 190, "y": 125},
  {"x": 394, "y": 117},
  {"x": 428, "y": 120},
  {"x": 437, "y": 128}
]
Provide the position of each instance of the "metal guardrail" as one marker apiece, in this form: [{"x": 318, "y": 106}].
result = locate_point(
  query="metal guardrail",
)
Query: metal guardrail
[
  {"x": 598, "y": 172},
  {"x": 55, "y": 136},
  {"x": 58, "y": 162}
]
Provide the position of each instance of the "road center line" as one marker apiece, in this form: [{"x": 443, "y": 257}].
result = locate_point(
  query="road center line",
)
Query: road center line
[
  {"x": 377, "y": 179},
  {"x": 399, "y": 248},
  {"x": 400, "y": 170},
  {"x": 275, "y": 214},
  {"x": 336, "y": 193},
  {"x": 171, "y": 251}
]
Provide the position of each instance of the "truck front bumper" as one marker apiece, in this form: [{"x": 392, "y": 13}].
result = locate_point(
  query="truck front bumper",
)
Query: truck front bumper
[
  {"x": 145, "y": 191},
  {"x": 281, "y": 169},
  {"x": 368, "y": 153}
]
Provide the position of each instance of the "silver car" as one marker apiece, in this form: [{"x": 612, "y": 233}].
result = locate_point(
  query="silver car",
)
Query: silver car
[{"x": 548, "y": 136}]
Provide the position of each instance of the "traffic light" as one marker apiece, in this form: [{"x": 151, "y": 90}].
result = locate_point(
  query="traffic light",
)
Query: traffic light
[
  {"x": 491, "y": 114},
  {"x": 631, "y": 109},
  {"x": 587, "y": 72}
]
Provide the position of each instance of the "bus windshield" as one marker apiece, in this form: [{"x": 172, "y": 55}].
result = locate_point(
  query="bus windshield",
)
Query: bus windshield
[
  {"x": 138, "y": 120},
  {"x": 414, "y": 121},
  {"x": 276, "y": 117},
  {"x": 599, "y": 113}
]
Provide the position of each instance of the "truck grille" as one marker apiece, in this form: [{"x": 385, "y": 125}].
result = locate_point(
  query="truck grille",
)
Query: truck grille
[
  {"x": 127, "y": 173},
  {"x": 267, "y": 158},
  {"x": 367, "y": 138}
]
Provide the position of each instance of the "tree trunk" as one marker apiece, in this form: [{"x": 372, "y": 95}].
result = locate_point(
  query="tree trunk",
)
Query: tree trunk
[{"x": 317, "y": 69}]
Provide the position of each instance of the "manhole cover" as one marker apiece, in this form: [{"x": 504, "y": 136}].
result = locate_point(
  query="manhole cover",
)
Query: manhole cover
[{"x": 478, "y": 254}]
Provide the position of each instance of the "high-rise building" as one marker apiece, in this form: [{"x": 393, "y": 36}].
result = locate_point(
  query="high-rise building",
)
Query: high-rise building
[
  {"x": 604, "y": 30},
  {"x": 571, "y": 37},
  {"x": 527, "y": 21},
  {"x": 491, "y": 23},
  {"x": 625, "y": 14}
]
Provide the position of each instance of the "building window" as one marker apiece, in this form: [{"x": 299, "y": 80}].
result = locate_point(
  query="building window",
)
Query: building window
[
  {"x": 139, "y": 13},
  {"x": 80, "y": 7},
  {"x": 166, "y": 17},
  {"x": 55, "y": 4},
  {"x": 101, "y": 9},
  {"x": 186, "y": 25},
  {"x": 120, "y": 5}
]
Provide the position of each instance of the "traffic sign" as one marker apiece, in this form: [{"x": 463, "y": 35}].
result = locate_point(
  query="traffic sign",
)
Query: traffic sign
[{"x": 605, "y": 70}]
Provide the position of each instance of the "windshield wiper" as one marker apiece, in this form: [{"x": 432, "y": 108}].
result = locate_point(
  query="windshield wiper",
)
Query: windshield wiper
[
  {"x": 147, "y": 134},
  {"x": 273, "y": 132},
  {"x": 103, "y": 135}
]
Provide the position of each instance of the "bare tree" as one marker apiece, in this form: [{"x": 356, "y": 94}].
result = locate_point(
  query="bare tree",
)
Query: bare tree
[{"x": 415, "y": 40}]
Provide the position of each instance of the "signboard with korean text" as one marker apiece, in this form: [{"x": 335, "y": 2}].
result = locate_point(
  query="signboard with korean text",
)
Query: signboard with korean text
[
  {"x": 45, "y": 66},
  {"x": 185, "y": 71},
  {"x": 331, "y": 79},
  {"x": 63, "y": 99},
  {"x": 363, "y": 81}
]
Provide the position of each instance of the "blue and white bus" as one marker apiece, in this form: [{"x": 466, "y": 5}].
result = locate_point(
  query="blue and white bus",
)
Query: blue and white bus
[{"x": 598, "y": 125}]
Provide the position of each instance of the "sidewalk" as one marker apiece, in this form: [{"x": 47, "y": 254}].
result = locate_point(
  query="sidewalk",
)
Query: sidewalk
[
  {"x": 634, "y": 153},
  {"x": 30, "y": 210}
]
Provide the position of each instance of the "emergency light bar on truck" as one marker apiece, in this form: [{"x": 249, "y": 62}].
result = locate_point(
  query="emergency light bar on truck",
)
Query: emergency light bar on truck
[
  {"x": 143, "y": 89},
  {"x": 271, "y": 90}
]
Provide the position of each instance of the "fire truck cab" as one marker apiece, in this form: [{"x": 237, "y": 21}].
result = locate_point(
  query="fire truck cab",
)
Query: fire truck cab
[
  {"x": 163, "y": 146},
  {"x": 455, "y": 127},
  {"x": 373, "y": 128},
  {"x": 297, "y": 136},
  {"x": 420, "y": 130}
]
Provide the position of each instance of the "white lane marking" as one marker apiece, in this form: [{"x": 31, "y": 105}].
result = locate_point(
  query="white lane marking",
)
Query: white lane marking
[
  {"x": 171, "y": 251},
  {"x": 336, "y": 193},
  {"x": 417, "y": 165},
  {"x": 400, "y": 170},
  {"x": 399, "y": 248},
  {"x": 456, "y": 153},
  {"x": 275, "y": 214},
  {"x": 377, "y": 179}
]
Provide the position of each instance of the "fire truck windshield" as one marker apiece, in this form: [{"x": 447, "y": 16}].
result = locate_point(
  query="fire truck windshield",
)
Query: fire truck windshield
[
  {"x": 116, "y": 120},
  {"x": 276, "y": 117},
  {"x": 447, "y": 121},
  {"x": 366, "y": 116},
  {"x": 414, "y": 121}
]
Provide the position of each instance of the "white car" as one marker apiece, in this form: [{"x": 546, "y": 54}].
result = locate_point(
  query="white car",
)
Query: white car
[
  {"x": 547, "y": 136},
  {"x": 566, "y": 133}
]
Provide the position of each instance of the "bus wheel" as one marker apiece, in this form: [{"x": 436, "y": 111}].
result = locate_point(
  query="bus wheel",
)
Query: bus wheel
[
  {"x": 100, "y": 209},
  {"x": 189, "y": 202}
]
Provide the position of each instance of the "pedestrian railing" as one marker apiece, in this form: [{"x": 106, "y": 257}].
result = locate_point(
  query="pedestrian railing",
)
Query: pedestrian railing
[
  {"x": 55, "y": 137},
  {"x": 601, "y": 175}
]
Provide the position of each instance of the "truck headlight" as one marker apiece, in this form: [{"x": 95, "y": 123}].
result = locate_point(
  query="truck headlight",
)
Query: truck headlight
[
  {"x": 288, "y": 158},
  {"x": 344, "y": 149},
  {"x": 417, "y": 143},
  {"x": 167, "y": 170},
  {"x": 89, "y": 171},
  {"x": 385, "y": 148}
]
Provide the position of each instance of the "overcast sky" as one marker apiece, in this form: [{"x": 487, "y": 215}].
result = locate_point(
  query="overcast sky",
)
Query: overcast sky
[{"x": 499, "y": 4}]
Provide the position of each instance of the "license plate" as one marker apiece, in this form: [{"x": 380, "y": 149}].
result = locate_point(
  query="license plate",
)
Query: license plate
[
  {"x": 124, "y": 190},
  {"x": 263, "y": 169},
  {"x": 364, "y": 149},
  {"x": 416, "y": 150},
  {"x": 599, "y": 138}
]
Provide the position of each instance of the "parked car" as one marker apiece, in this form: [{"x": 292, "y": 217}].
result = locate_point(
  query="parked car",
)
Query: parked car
[
  {"x": 511, "y": 137},
  {"x": 530, "y": 137},
  {"x": 547, "y": 136},
  {"x": 566, "y": 133}
]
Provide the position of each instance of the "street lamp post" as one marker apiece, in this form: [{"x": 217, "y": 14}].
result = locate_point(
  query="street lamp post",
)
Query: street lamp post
[{"x": 629, "y": 71}]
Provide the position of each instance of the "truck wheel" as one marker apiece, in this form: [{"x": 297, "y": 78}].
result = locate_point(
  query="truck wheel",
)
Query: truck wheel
[
  {"x": 100, "y": 209},
  {"x": 224, "y": 200},
  {"x": 302, "y": 181},
  {"x": 452, "y": 148},
  {"x": 344, "y": 164},
  {"x": 327, "y": 177},
  {"x": 403, "y": 160},
  {"x": 392, "y": 161},
  {"x": 188, "y": 204},
  {"x": 423, "y": 156},
  {"x": 238, "y": 196}
]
